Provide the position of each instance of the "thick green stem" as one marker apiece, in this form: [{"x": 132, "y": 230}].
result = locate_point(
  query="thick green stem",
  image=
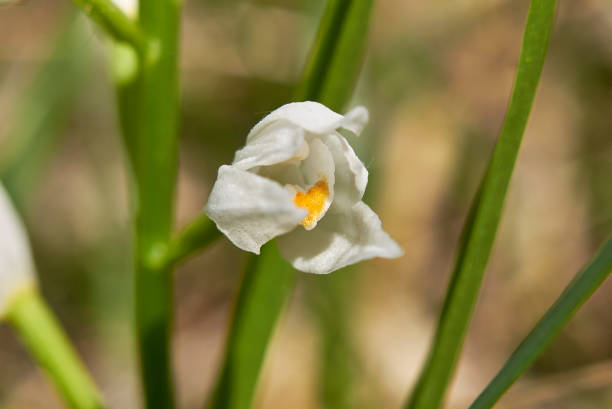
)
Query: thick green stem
[
  {"x": 575, "y": 294},
  {"x": 481, "y": 226},
  {"x": 113, "y": 21},
  {"x": 152, "y": 98},
  {"x": 43, "y": 336}
]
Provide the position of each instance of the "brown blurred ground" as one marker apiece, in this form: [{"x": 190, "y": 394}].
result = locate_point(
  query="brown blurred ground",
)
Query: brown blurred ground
[{"x": 436, "y": 80}]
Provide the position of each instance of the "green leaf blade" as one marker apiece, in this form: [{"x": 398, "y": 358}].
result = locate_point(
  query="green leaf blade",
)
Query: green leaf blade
[
  {"x": 573, "y": 297},
  {"x": 482, "y": 223}
]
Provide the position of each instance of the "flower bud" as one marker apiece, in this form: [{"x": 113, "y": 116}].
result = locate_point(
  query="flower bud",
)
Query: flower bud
[{"x": 16, "y": 265}]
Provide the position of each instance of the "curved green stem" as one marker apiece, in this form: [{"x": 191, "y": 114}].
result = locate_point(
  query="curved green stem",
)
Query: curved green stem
[
  {"x": 481, "y": 226},
  {"x": 194, "y": 237},
  {"x": 42, "y": 334},
  {"x": 575, "y": 294},
  {"x": 113, "y": 21}
]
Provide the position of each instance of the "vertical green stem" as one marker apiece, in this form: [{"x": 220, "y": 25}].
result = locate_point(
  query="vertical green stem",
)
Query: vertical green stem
[
  {"x": 42, "y": 334},
  {"x": 152, "y": 142}
]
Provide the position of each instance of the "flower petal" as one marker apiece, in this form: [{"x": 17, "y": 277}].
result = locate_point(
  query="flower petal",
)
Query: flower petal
[
  {"x": 16, "y": 265},
  {"x": 250, "y": 209},
  {"x": 277, "y": 143},
  {"x": 318, "y": 170},
  {"x": 351, "y": 174},
  {"x": 342, "y": 238},
  {"x": 313, "y": 117}
]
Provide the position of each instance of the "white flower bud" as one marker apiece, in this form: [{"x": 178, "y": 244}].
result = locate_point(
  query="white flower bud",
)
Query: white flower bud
[{"x": 16, "y": 265}]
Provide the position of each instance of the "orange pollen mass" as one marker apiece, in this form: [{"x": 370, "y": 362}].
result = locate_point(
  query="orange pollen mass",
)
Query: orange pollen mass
[{"x": 313, "y": 201}]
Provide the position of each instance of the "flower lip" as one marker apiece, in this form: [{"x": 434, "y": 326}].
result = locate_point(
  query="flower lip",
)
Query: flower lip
[{"x": 314, "y": 201}]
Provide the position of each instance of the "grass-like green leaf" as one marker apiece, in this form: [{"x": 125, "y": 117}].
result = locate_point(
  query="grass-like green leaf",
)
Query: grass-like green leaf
[
  {"x": 331, "y": 56},
  {"x": 481, "y": 225},
  {"x": 575, "y": 294}
]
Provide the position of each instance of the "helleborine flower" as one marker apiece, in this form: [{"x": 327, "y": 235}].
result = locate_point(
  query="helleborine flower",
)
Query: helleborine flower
[
  {"x": 16, "y": 266},
  {"x": 298, "y": 179}
]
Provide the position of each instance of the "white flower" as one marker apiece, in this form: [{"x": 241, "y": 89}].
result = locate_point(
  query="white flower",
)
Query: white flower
[
  {"x": 16, "y": 266},
  {"x": 129, "y": 7},
  {"x": 296, "y": 169}
]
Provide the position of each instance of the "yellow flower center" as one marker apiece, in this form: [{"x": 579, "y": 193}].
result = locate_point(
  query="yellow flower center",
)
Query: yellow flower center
[{"x": 313, "y": 201}]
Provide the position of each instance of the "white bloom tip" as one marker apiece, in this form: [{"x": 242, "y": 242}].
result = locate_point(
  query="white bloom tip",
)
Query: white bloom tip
[{"x": 16, "y": 265}]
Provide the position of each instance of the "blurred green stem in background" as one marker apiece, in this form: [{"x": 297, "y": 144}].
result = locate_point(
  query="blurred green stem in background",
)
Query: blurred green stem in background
[
  {"x": 42, "y": 334},
  {"x": 575, "y": 294},
  {"x": 481, "y": 225},
  {"x": 41, "y": 113},
  {"x": 114, "y": 21},
  {"x": 238, "y": 376}
]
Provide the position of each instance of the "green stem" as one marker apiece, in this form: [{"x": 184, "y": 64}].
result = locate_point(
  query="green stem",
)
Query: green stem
[
  {"x": 481, "y": 226},
  {"x": 575, "y": 294},
  {"x": 152, "y": 145},
  {"x": 266, "y": 285},
  {"x": 322, "y": 50},
  {"x": 113, "y": 21},
  {"x": 195, "y": 236},
  {"x": 43, "y": 336}
]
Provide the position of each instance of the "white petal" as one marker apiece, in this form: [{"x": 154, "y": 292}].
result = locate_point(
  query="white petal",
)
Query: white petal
[
  {"x": 277, "y": 143},
  {"x": 129, "y": 7},
  {"x": 351, "y": 174},
  {"x": 16, "y": 265},
  {"x": 314, "y": 118},
  {"x": 319, "y": 166},
  {"x": 250, "y": 209},
  {"x": 339, "y": 240}
]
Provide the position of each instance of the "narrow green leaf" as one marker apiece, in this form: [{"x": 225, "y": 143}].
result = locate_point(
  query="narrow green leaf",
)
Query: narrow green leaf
[
  {"x": 43, "y": 336},
  {"x": 266, "y": 285},
  {"x": 575, "y": 294},
  {"x": 481, "y": 226}
]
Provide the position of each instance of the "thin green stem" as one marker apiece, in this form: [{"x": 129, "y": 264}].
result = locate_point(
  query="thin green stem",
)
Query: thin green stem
[
  {"x": 113, "y": 21},
  {"x": 43, "y": 336},
  {"x": 481, "y": 226},
  {"x": 575, "y": 294},
  {"x": 192, "y": 238}
]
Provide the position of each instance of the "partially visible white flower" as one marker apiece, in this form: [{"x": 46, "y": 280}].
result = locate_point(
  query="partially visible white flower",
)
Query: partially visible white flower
[
  {"x": 296, "y": 169},
  {"x": 129, "y": 7},
  {"x": 16, "y": 266}
]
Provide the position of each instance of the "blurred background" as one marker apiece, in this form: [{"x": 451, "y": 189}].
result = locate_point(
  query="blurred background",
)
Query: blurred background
[{"x": 436, "y": 79}]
